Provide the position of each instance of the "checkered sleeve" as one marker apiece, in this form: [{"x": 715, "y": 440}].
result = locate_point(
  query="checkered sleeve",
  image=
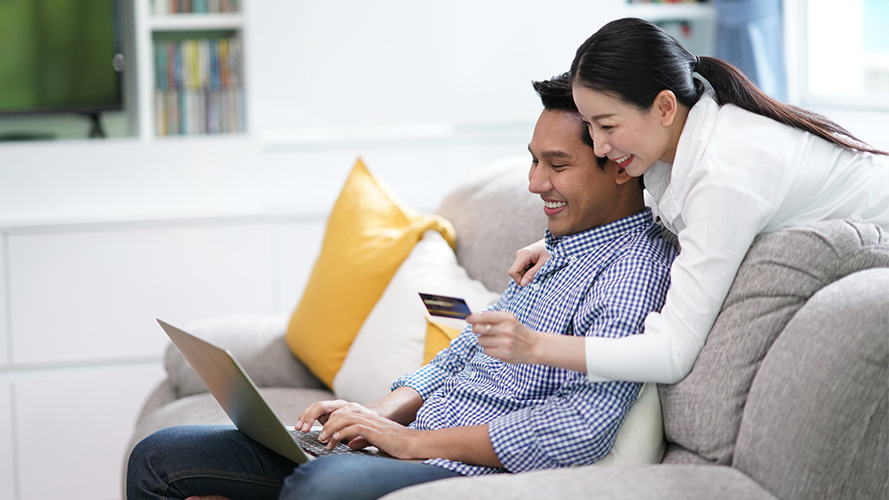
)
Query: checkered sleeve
[{"x": 623, "y": 295}]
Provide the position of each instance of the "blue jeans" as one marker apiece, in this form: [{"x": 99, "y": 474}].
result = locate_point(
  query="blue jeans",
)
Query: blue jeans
[{"x": 218, "y": 460}]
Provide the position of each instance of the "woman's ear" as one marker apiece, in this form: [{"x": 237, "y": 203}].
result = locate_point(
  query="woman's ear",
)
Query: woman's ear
[{"x": 666, "y": 106}]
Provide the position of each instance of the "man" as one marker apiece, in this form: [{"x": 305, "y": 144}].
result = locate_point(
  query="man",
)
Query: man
[{"x": 467, "y": 413}]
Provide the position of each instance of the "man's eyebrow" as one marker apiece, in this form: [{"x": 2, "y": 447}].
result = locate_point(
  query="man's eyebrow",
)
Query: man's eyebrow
[{"x": 553, "y": 153}]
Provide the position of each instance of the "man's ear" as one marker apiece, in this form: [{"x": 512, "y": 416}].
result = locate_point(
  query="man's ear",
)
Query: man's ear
[
  {"x": 621, "y": 177},
  {"x": 666, "y": 106}
]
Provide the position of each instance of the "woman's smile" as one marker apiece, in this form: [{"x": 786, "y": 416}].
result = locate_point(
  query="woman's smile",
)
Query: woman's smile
[{"x": 623, "y": 161}]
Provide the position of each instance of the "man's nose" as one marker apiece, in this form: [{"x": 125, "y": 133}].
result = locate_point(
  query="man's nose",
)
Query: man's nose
[{"x": 538, "y": 180}]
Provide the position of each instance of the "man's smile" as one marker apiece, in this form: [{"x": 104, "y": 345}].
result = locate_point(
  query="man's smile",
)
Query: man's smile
[{"x": 552, "y": 207}]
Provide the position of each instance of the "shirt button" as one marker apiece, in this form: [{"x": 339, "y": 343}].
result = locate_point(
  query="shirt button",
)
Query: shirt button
[
  {"x": 535, "y": 286},
  {"x": 572, "y": 258}
]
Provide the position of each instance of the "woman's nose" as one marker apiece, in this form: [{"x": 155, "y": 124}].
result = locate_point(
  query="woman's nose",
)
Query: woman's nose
[{"x": 601, "y": 147}]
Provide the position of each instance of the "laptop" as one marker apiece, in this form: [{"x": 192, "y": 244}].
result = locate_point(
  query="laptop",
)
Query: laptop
[{"x": 244, "y": 404}]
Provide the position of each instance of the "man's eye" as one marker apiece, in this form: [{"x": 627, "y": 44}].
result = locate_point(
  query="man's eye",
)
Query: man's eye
[{"x": 558, "y": 167}]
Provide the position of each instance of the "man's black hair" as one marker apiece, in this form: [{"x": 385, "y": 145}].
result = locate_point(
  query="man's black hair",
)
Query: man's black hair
[{"x": 555, "y": 94}]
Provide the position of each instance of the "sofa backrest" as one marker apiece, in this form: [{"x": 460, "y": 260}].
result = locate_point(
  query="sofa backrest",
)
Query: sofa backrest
[
  {"x": 821, "y": 430},
  {"x": 739, "y": 385},
  {"x": 494, "y": 215}
]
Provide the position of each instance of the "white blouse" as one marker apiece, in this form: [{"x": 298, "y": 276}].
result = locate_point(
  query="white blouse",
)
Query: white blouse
[{"x": 735, "y": 175}]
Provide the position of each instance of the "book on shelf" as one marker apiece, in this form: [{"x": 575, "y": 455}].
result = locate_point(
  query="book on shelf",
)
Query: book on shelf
[
  {"x": 198, "y": 87},
  {"x": 160, "y": 7}
]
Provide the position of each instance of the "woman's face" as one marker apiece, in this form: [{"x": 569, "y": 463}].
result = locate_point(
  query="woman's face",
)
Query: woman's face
[{"x": 632, "y": 138}]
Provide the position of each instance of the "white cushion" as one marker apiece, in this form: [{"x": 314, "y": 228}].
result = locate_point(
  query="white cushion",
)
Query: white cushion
[
  {"x": 640, "y": 439},
  {"x": 391, "y": 341}
]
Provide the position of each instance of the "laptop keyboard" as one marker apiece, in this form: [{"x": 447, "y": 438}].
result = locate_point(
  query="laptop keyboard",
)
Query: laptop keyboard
[{"x": 308, "y": 441}]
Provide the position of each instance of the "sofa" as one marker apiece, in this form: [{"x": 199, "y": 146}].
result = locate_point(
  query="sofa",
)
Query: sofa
[{"x": 788, "y": 399}]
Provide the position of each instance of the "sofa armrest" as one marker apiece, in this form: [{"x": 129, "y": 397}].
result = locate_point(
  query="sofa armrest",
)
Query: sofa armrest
[
  {"x": 642, "y": 482},
  {"x": 257, "y": 342}
]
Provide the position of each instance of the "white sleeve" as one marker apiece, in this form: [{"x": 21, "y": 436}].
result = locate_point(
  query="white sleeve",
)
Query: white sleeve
[{"x": 722, "y": 217}]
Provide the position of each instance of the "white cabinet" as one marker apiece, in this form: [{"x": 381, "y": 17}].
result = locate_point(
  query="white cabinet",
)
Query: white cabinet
[
  {"x": 7, "y": 443},
  {"x": 73, "y": 428},
  {"x": 297, "y": 244},
  {"x": 84, "y": 348},
  {"x": 96, "y": 293},
  {"x": 4, "y": 318}
]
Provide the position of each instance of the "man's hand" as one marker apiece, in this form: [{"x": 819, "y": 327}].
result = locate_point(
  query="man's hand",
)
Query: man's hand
[
  {"x": 469, "y": 444},
  {"x": 502, "y": 336},
  {"x": 399, "y": 407},
  {"x": 322, "y": 410},
  {"x": 527, "y": 262},
  {"x": 361, "y": 429}
]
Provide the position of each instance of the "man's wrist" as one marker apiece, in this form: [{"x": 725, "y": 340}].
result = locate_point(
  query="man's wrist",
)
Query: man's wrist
[{"x": 400, "y": 405}]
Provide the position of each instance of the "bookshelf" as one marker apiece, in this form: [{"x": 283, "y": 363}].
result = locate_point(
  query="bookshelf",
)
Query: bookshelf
[
  {"x": 190, "y": 67},
  {"x": 693, "y": 23}
]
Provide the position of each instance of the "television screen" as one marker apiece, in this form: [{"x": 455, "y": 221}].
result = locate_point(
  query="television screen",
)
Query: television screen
[{"x": 58, "y": 56}]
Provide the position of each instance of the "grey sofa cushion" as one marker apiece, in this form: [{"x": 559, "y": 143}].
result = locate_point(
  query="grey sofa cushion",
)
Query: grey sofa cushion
[
  {"x": 202, "y": 409},
  {"x": 703, "y": 412},
  {"x": 663, "y": 482},
  {"x": 821, "y": 429},
  {"x": 494, "y": 215},
  {"x": 257, "y": 343}
]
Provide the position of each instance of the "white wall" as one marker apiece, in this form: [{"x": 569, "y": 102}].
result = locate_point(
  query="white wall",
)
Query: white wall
[{"x": 397, "y": 62}]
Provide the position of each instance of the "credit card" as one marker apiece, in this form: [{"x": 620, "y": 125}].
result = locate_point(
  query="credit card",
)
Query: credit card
[{"x": 448, "y": 307}]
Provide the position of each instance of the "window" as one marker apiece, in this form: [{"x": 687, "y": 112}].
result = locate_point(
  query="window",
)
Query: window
[{"x": 843, "y": 57}]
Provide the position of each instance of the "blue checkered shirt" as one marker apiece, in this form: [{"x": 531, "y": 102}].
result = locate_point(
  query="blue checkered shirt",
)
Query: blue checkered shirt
[{"x": 601, "y": 282}]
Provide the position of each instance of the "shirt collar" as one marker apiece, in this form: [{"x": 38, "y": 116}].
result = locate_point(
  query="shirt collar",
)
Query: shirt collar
[
  {"x": 578, "y": 244},
  {"x": 696, "y": 133},
  {"x": 657, "y": 178}
]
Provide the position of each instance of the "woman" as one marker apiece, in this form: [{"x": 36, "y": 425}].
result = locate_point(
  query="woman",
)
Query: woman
[{"x": 723, "y": 161}]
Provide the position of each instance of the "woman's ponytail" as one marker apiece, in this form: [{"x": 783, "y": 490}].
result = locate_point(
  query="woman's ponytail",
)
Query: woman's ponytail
[
  {"x": 731, "y": 86},
  {"x": 636, "y": 60}
]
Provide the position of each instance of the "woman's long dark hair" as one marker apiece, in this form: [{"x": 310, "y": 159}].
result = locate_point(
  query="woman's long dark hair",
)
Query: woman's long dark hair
[{"x": 635, "y": 60}]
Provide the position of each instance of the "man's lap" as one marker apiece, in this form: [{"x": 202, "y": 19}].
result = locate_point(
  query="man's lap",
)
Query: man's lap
[
  {"x": 212, "y": 460},
  {"x": 357, "y": 477}
]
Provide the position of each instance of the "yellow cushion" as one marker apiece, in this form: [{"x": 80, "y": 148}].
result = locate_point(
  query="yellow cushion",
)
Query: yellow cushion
[
  {"x": 369, "y": 233},
  {"x": 438, "y": 336}
]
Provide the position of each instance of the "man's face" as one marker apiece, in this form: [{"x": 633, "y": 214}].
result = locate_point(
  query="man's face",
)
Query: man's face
[{"x": 577, "y": 194}]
